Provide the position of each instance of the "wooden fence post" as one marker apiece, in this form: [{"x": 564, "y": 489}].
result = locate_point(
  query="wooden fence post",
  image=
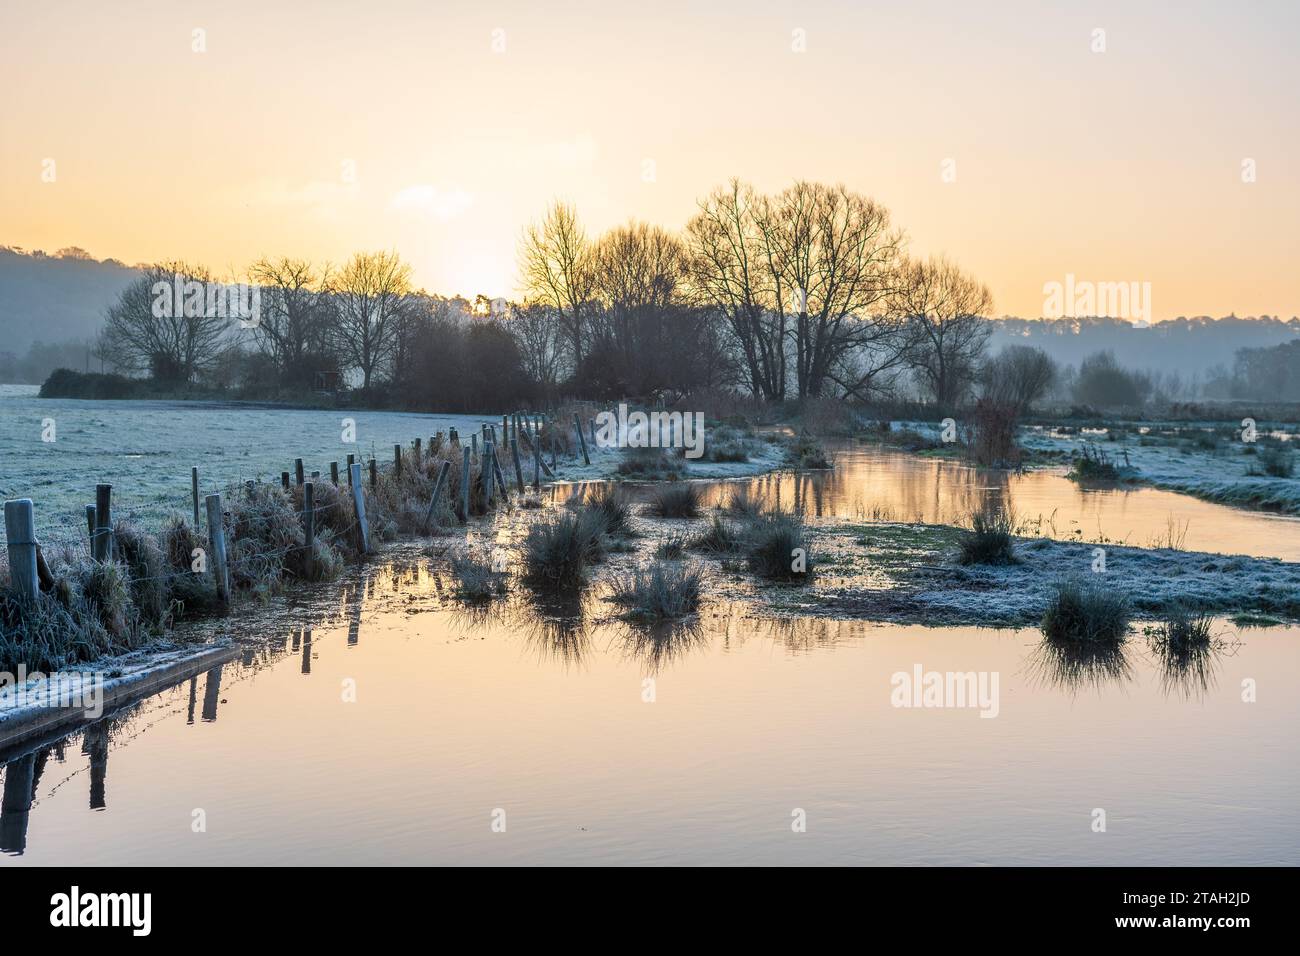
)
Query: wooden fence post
[
  {"x": 284, "y": 480},
  {"x": 464, "y": 487},
  {"x": 435, "y": 444},
  {"x": 352, "y": 460},
  {"x": 309, "y": 521},
  {"x": 505, "y": 430},
  {"x": 359, "y": 498},
  {"x": 592, "y": 423},
  {"x": 90, "y": 523},
  {"x": 500, "y": 476},
  {"x": 417, "y": 453},
  {"x": 334, "y": 473},
  {"x": 453, "y": 436},
  {"x": 297, "y": 471},
  {"x": 374, "y": 475},
  {"x": 437, "y": 492},
  {"x": 20, "y": 536},
  {"x": 397, "y": 461},
  {"x": 473, "y": 440},
  {"x": 486, "y": 471},
  {"x": 103, "y": 544},
  {"x": 519, "y": 468},
  {"x": 194, "y": 492},
  {"x": 217, "y": 545},
  {"x": 582, "y": 439},
  {"x": 537, "y": 467}
]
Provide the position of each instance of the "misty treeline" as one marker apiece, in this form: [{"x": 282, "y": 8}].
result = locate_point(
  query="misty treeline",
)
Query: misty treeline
[{"x": 809, "y": 293}]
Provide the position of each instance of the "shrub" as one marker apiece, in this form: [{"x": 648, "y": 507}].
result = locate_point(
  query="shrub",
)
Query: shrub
[
  {"x": 649, "y": 464},
  {"x": 1093, "y": 464},
  {"x": 993, "y": 440},
  {"x": 776, "y": 550},
  {"x": 667, "y": 589},
  {"x": 1276, "y": 462},
  {"x": 1086, "y": 612},
  {"x": 807, "y": 452},
  {"x": 675, "y": 501},
  {"x": 990, "y": 540}
]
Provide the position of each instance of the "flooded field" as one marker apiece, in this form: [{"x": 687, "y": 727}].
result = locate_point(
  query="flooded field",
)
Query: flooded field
[
  {"x": 458, "y": 716},
  {"x": 393, "y": 726}
]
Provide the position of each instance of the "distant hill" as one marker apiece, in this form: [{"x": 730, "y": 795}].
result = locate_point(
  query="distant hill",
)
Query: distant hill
[
  {"x": 1190, "y": 347},
  {"x": 55, "y": 298}
]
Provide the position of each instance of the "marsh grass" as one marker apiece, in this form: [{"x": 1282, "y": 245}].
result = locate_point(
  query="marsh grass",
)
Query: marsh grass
[
  {"x": 613, "y": 506},
  {"x": 991, "y": 539},
  {"x": 776, "y": 549},
  {"x": 558, "y": 551},
  {"x": 475, "y": 579},
  {"x": 665, "y": 590},
  {"x": 721, "y": 537},
  {"x": 1186, "y": 649},
  {"x": 1083, "y": 611},
  {"x": 672, "y": 548},
  {"x": 680, "y": 500},
  {"x": 740, "y": 504}
]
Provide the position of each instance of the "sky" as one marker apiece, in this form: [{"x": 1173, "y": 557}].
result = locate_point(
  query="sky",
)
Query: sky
[{"x": 1011, "y": 137}]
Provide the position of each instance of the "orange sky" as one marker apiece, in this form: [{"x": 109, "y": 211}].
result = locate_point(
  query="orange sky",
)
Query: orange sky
[{"x": 1115, "y": 166}]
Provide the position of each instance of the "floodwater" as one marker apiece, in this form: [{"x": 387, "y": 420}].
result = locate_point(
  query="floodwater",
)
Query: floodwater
[{"x": 391, "y": 726}]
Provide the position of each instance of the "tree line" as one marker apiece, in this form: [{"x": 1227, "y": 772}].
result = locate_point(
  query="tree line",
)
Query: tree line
[{"x": 806, "y": 293}]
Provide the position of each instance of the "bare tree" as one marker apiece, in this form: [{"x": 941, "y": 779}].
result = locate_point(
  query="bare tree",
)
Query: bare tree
[
  {"x": 166, "y": 323},
  {"x": 638, "y": 274},
  {"x": 730, "y": 273},
  {"x": 556, "y": 271},
  {"x": 1017, "y": 377},
  {"x": 370, "y": 293},
  {"x": 541, "y": 345},
  {"x": 297, "y": 323},
  {"x": 945, "y": 309},
  {"x": 833, "y": 262}
]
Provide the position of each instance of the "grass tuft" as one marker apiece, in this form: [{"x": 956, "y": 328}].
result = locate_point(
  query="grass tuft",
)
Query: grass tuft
[
  {"x": 665, "y": 590},
  {"x": 1087, "y": 612}
]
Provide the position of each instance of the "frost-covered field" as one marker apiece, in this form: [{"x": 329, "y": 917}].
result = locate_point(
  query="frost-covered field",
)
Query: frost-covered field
[
  {"x": 1201, "y": 459},
  {"x": 145, "y": 450}
]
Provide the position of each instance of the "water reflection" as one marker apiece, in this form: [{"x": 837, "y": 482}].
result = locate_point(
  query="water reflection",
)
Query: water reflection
[
  {"x": 873, "y": 483},
  {"x": 556, "y": 629},
  {"x": 656, "y": 645},
  {"x": 1073, "y": 666},
  {"x": 1189, "y": 669}
]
